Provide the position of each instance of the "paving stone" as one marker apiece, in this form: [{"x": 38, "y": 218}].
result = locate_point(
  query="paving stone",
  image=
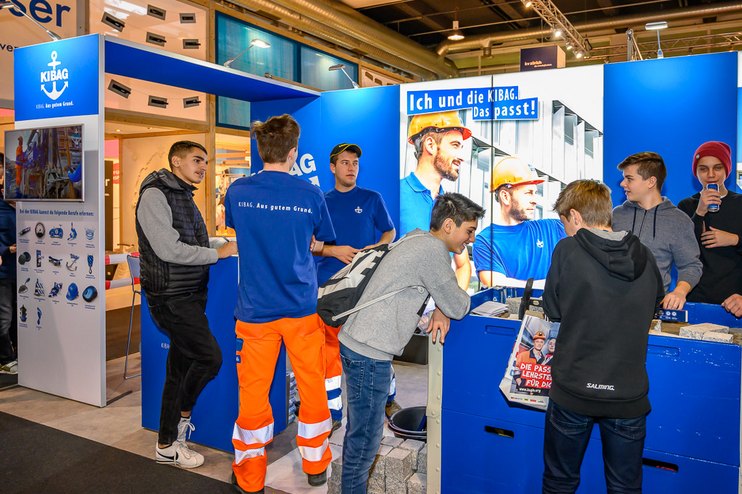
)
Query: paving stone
[
  {"x": 417, "y": 484},
  {"x": 422, "y": 460},
  {"x": 720, "y": 337},
  {"x": 391, "y": 441},
  {"x": 696, "y": 331},
  {"x": 398, "y": 467},
  {"x": 377, "y": 474},
  {"x": 414, "y": 446}
]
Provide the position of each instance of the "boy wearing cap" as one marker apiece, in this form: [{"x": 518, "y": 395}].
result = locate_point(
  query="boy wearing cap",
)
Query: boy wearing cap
[
  {"x": 603, "y": 287},
  {"x": 718, "y": 233},
  {"x": 438, "y": 139},
  {"x": 358, "y": 215},
  {"x": 515, "y": 247},
  {"x": 667, "y": 231}
]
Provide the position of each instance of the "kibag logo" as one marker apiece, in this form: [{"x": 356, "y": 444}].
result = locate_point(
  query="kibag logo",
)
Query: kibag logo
[{"x": 53, "y": 76}]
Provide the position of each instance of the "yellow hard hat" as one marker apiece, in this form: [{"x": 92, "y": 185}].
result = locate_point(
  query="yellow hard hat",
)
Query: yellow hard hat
[
  {"x": 442, "y": 120},
  {"x": 512, "y": 171}
]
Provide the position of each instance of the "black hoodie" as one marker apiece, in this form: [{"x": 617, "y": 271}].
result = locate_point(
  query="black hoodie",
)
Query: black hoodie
[{"x": 604, "y": 288}]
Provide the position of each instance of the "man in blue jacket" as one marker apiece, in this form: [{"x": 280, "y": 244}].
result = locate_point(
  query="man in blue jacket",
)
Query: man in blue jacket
[{"x": 8, "y": 328}]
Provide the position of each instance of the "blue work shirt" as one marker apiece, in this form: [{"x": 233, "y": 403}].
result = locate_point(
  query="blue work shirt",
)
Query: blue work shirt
[{"x": 415, "y": 204}]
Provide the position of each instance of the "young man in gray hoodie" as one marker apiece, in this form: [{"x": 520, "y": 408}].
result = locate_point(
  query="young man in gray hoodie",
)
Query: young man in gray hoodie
[
  {"x": 419, "y": 263},
  {"x": 662, "y": 227}
]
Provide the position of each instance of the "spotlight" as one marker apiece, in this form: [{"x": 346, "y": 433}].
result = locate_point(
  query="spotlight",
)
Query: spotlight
[
  {"x": 657, "y": 26},
  {"x": 557, "y": 33},
  {"x": 528, "y": 4},
  {"x": 341, "y": 67},
  {"x": 254, "y": 42},
  {"x": 578, "y": 54}
]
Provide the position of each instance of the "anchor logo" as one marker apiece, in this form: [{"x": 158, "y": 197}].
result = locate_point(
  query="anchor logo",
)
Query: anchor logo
[{"x": 53, "y": 76}]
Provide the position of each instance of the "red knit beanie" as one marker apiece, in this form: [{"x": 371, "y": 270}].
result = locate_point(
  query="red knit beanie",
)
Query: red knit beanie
[{"x": 717, "y": 149}]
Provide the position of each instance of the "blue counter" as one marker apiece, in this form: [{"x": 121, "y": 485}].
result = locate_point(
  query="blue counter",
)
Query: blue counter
[
  {"x": 693, "y": 431},
  {"x": 217, "y": 407}
]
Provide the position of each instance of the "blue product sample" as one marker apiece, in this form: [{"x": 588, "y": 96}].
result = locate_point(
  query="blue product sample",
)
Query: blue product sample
[
  {"x": 72, "y": 292},
  {"x": 56, "y": 232},
  {"x": 90, "y": 293},
  {"x": 73, "y": 232},
  {"x": 90, "y": 263}
]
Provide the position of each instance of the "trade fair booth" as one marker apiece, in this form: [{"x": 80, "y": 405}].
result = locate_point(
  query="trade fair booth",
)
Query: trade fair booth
[{"x": 567, "y": 123}]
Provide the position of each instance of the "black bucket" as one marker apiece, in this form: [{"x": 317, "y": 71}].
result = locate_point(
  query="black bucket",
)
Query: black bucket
[{"x": 410, "y": 423}]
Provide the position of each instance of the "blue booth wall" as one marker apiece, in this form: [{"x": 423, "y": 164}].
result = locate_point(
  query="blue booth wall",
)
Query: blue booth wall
[
  {"x": 368, "y": 117},
  {"x": 669, "y": 106}
]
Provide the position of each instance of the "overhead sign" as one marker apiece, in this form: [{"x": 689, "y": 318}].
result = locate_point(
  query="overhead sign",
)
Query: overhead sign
[
  {"x": 57, "y": 79},
  {"x": 542, "y": 57},
  {"x": 16, "y": 30}
]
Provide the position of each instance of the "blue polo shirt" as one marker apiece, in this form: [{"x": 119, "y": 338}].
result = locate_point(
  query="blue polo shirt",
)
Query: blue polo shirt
[
  {"x": 359, "y": 217},
  {"x": 520, "y": 251},
  {"x": 415, "y": 205},
  {"x": 275, "y": 215}
]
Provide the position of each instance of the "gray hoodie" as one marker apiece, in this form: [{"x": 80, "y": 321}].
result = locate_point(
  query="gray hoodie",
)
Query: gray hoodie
[
  {"x": 421, "y": 263},
  {"x": 669, "y": 234}
]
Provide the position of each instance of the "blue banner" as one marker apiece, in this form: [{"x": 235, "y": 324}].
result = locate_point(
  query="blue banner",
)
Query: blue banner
[
  {"x": 494, "y": 103},
  {"x": 57, "y": 79}
]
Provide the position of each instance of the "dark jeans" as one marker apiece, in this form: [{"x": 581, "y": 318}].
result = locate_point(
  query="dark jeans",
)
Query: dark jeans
[
  {"x": 367, "y": 387},
  {"x": 8, "y": 325},
  {"x": 566, "y": 436},
  {"x": 194, "y": 358}
]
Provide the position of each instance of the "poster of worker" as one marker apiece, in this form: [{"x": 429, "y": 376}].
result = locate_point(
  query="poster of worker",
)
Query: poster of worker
[
  {"x": 509, "y": 142},
  {"x": 528, "y": 375},
  {"x": 46, "y": 164}
]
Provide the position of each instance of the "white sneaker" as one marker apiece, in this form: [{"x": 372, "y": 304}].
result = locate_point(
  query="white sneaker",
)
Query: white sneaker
[
  {"x": 9, "y": 368},
  {"x": 185, "y": 427},
  {"x": 178, "y": 454}
]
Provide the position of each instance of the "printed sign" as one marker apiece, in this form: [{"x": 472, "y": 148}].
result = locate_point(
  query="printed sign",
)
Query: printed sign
[
  {"x": 58, "y": 79},
  {"x": 541, "y": 57},
  {"x": 495, "y": 103}
]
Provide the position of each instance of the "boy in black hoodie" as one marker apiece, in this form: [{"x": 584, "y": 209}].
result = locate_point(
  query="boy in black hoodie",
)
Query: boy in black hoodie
[{"x": 604, "y": 287}]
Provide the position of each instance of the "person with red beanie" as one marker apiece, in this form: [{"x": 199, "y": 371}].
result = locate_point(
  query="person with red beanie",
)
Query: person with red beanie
[{"x": 718, "y": 232}]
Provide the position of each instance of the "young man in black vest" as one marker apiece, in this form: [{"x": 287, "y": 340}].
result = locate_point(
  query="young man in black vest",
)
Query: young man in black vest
[{"x": 175, "y": 256}]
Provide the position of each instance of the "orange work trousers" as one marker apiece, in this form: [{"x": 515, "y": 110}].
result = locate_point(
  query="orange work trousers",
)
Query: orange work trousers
[
  {"x": 261, "y": 343},
  {"x": 333, "y": 373}
]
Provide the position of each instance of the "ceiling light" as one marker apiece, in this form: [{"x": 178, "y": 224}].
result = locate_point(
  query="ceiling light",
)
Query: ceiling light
[
  {"x": 655, "y": 26},
  {"x": 568, "y": 46},
  {"x": 260, "y": 43},
  {"x": 456, "y": 34},
  {"x": 557, "y": 33},
  {"x": 578, "y": 54},
  {"x": 527, "y": 3}
]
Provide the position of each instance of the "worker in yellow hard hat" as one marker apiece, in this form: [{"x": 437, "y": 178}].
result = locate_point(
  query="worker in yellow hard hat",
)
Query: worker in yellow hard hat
[
  {"x": 439, "y": 142},
  {"x": 515, "y": 247}
]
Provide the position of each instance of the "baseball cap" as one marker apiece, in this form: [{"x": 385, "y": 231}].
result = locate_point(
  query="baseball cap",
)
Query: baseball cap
[
  {"x": 717, "y": 149},
  {"x": 513, "y": 171},
  {"x": 345, "y": 146}
]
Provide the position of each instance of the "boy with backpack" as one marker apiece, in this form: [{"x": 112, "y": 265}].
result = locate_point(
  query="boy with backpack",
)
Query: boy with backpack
[{"x": 419, "y": 266}]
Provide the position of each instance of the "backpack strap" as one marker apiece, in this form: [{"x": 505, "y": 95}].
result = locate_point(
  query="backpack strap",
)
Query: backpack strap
[{"x": 371, "y": 302}]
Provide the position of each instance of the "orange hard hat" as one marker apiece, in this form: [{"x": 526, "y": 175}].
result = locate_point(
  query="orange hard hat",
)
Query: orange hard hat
[
  {"x": 539, "y": 335},
  {"x": 512, "y": 171},
  {"x": 442, "y": 120}
]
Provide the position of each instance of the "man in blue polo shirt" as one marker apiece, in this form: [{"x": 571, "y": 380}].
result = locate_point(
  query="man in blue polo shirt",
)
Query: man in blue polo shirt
[
  {"x": 439, "y": 148},
  {"x": 515, "y": 247},
  {"x": 275, "y": 216},
  {"x": 359, "y": 216}
]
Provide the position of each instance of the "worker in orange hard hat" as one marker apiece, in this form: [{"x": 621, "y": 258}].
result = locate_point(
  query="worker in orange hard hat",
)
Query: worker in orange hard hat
[
  {"x": 515, "y": 247},
  {"x": 439, "y": 141}
]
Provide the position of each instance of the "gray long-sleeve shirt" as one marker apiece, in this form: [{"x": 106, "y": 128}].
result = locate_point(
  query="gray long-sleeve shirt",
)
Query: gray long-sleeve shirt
[
  {"x": 423, "y": 264},
  {"x": 156, "y": 219},
  {"x": 669, "y": 234}
]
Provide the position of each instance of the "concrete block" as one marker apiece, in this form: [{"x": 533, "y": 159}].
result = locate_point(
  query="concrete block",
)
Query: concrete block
[
  {"x": 391, "y": 441},
  {"x": 414, "y": 446},
  {"x": 422, "y": 459},
  {"x": 417, "y": 484},
  {"x": 720, "y": 337},
  {"x": 696, "y": 331},
  {"x": 398, "y": 468},
  {"x": 377, "y": 474}
]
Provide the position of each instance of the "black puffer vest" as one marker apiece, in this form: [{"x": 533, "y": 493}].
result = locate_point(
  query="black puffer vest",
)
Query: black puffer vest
[{"x": 164, "y": 278}]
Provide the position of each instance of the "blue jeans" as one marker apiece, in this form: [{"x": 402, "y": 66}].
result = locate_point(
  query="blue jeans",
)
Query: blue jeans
[
  {"x": 367, "y": 386},
  {"x": 8, "y": 327},
  {"x": 566, "y": 436}
]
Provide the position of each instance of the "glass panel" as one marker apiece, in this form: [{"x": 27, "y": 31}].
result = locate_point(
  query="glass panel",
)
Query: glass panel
[{"x": 315, "y": 71}]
